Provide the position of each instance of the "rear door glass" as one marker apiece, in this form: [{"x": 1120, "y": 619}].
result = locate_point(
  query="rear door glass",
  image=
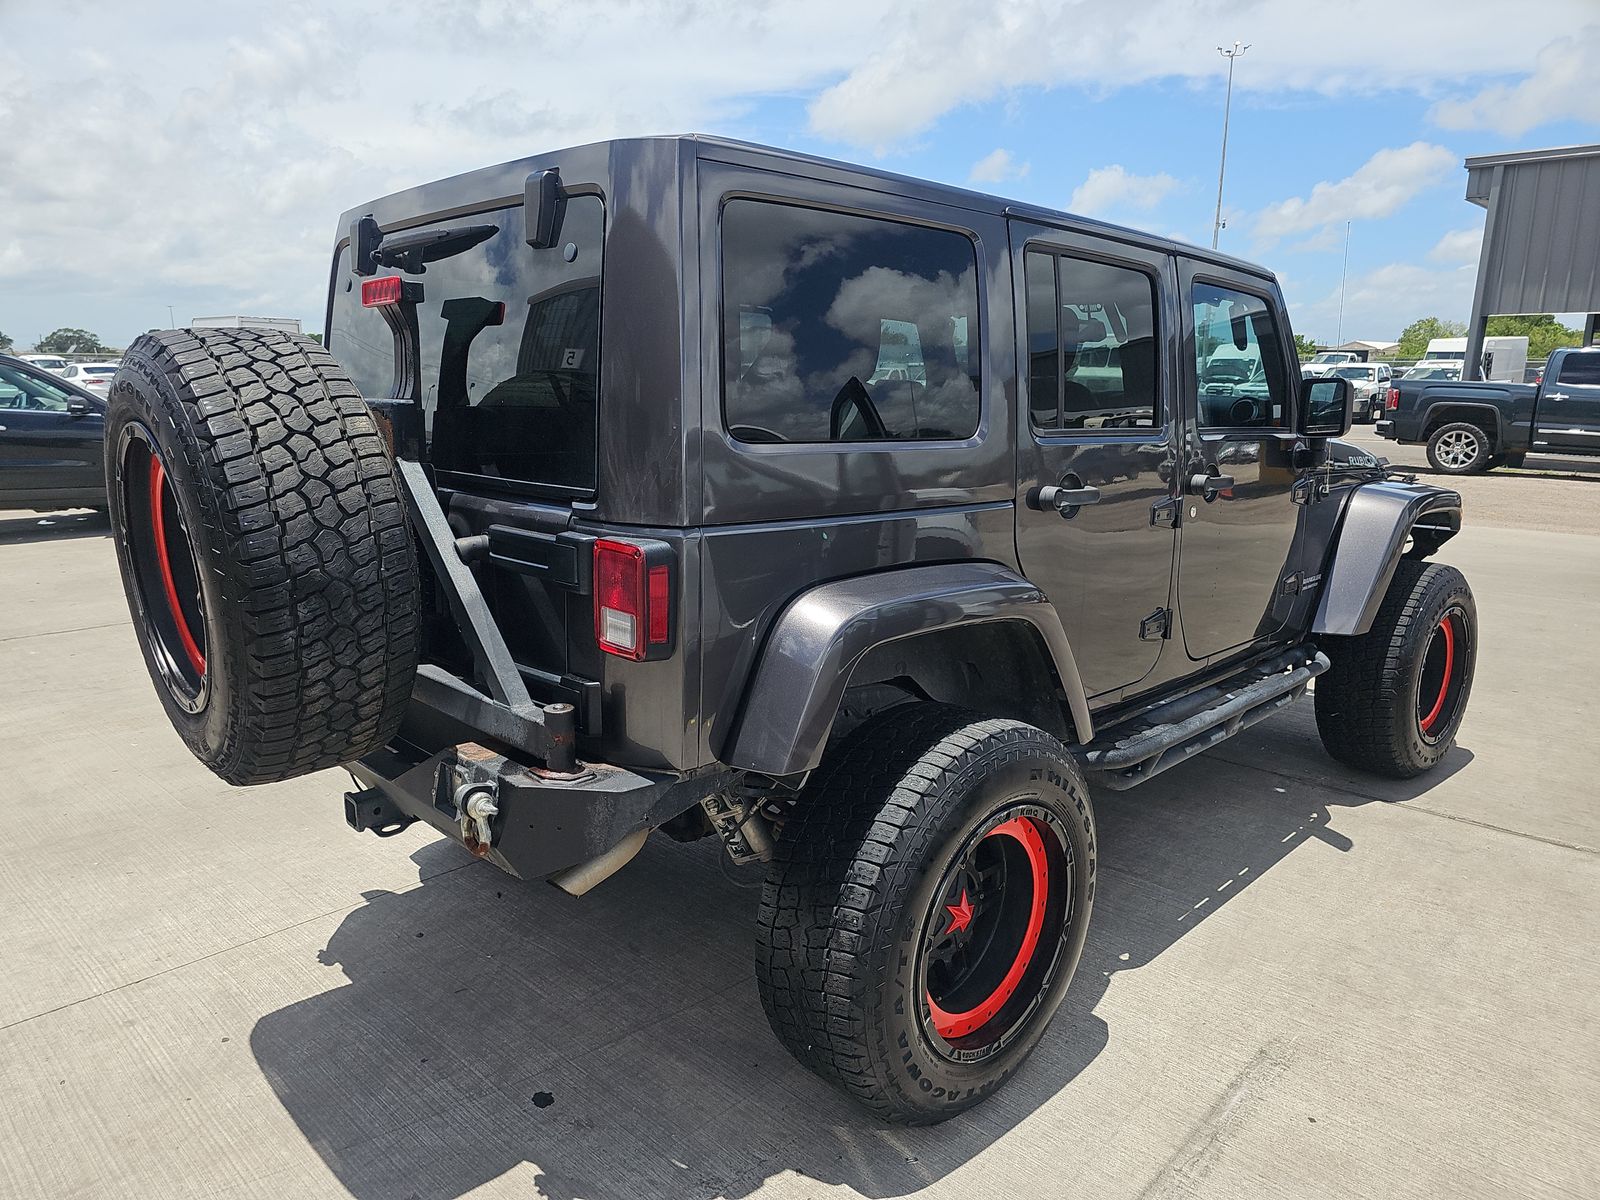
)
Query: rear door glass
[{"x": 507, "y": 393}]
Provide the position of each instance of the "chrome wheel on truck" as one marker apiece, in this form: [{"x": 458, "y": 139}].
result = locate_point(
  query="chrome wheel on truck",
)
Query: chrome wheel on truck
[{"x": 1459, "y": 449}]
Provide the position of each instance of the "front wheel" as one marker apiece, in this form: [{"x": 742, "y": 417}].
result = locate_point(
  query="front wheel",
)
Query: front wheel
[
  {"x": 1393, "y": 698},
  {"x": 926, "y": 909}
]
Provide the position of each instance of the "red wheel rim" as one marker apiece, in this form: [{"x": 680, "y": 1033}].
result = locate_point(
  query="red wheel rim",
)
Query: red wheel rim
[
  {"x": 951, "y": 1025},
  {"x": 1447, "y": 676},
  {"x": 164, "y": 570},
  {"x": 158, "y": 497},
  {"x": 993, "y": 934}
]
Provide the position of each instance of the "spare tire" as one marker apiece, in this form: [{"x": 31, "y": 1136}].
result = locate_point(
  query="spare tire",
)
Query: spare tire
[{"x": 264, "y": 550}]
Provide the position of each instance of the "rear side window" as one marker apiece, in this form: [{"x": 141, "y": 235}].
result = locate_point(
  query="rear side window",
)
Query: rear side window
[
  {"x": 1091, "y": 345},
  {"x": 1244, "y": 383},
  {"x": 1581, "y": 369},
  {"x": 510, "y": 340},
  {"x": 840, "y": 328}
]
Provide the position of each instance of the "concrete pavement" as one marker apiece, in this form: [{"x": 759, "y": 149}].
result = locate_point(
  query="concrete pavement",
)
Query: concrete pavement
[{"x": 1299, "y": 982}]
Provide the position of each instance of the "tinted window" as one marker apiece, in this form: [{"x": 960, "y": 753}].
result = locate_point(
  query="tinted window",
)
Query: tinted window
[
  {"x": 27, "y": 392},
  {"x": 841, "y": 328},
  {"x": 1239, "y": 361},
  {"x": 514, "y": 399},
  {"x": 1581, "y": 369},
  {"x": 1091, "y": 344}
]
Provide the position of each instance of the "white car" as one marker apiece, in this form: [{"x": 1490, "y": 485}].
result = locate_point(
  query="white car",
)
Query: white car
[
  {"x": 53, "y": 363},
  {"x": 94, "y": 376}
]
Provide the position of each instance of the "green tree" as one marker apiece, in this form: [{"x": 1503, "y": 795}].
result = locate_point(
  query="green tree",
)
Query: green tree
[
  {"x": 1544, "y": 333},
  {"x": 5, "y": 344},
  {"x": 1415, "y": 337},
  {"x": 1304, "y": 346},
  {"x": 70, "y": 341}
]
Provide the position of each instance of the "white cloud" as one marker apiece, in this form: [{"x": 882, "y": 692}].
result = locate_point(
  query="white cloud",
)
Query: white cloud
[
  {"x": 1378, "y": 188},
  {"x": 1114, "y": 189},
  {"x": 1459, "y": 247},
  {"x": 1378, "y": 304},
  {"x": 1561, "y": 87},
  {"x": 996, "y": 167},
  {"x": 925, "y": 60},
  {"x": 200, "y": 158}
]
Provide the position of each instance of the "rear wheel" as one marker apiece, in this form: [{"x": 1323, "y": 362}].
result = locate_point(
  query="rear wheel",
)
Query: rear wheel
[
  {"x": 1393, "y": 698},
  {"x": 1459, "y": 448},
  {"x": 264, "y": 550},
  {"x": 926, "y": 908}
]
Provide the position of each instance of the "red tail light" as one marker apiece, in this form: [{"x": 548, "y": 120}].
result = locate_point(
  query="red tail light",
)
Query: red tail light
[
  {"x": 1393, "y": 399},
  {"x": 633, "y": 598},
  {"x": 388, "y": 290}
]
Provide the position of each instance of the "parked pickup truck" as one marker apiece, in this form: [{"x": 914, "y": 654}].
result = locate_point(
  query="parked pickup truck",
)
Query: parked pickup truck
[{"x": 1471, "y": 427}]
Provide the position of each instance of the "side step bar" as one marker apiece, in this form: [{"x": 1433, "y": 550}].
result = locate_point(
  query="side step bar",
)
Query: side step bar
[{"x": 1172, "y": 732}]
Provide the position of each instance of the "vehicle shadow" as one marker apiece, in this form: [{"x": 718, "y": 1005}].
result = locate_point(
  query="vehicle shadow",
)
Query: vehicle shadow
[
  {"x": 615, "y": 1045},
  {"x": 17, "y": 527}
]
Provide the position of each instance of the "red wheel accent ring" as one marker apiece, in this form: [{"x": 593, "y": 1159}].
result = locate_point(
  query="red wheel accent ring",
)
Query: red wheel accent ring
[
  {"x": 1446, "y": 627},
  {"x": 158, "y": 523},
  {"x": 953, "y": 1025}
]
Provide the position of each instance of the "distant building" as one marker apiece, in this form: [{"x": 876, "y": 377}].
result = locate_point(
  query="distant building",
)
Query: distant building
[
  {"x": 281, "y": 324},
  {"x": 1370, "y": 349}
]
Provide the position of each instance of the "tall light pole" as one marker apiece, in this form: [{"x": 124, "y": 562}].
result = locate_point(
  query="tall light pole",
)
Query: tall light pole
[
  {"x": 1344, "y": 275},
  {"x": 1227, "y": 108},
  {"x": 172, "y": 321}
]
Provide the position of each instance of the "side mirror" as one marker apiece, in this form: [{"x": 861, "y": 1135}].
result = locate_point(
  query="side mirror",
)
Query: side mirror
[
  {"x": 78, "y": 408},
  {"x": 1325, "y": 407}
]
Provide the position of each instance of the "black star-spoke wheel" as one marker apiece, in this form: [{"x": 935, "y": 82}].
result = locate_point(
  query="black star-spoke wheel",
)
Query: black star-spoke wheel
[
  {"x": 926, "y": 908},
  {"x": 992, "y": 935},
  {"x": 1394, "y": 697}
]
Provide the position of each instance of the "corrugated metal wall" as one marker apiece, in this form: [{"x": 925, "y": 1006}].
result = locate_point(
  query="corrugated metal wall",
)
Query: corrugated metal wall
[{"x": 1541, "y": 251}]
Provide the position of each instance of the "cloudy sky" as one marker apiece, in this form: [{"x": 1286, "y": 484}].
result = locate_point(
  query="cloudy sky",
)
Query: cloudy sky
[{"x": 198, "y": 155}]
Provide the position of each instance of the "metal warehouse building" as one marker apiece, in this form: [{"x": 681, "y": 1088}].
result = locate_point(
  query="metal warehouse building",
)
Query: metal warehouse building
[{"x": 1541, "y": 241}]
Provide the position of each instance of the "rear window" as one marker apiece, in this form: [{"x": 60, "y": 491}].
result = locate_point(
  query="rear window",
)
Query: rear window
[
  {"x": 1581, "y": 369},
  {"x": 841, "y": 328},
  {"x": 515, "y": 401}
]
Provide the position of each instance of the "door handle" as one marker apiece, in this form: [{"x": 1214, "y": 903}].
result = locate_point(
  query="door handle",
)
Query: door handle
[
  {"x": 1067, "y": 500},
  {"x": 1556, "y": 396},
  {"x": 1209, "y": 485}
]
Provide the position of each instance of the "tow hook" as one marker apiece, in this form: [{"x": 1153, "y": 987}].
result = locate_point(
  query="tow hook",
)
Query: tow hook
[
  {"x": 476, "y": 810},
  {"x": 475, "y": 793}
]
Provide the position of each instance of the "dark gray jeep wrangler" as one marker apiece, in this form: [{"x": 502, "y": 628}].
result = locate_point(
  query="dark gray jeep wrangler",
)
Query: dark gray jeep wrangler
[{"x": 677, "y": 484}]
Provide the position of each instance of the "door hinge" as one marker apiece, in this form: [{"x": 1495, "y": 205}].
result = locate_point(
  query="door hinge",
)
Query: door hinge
[
  {"x": 1303, "y": 491},
  {"x": 1164, "y": 513},
  {"x": 1156, "y": 626},
  {"x": 1291, "y": 585}
]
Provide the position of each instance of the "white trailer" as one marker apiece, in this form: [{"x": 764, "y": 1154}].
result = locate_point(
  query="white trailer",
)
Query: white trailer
[{"x": 1505, "y": 359}]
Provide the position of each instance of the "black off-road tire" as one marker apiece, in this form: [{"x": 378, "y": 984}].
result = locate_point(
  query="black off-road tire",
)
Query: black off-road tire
[
  {"x": 264, "y": 550},
  {"x": 1375, "y": 701},
  {"x": 851, "y": 906},
  {"x": 1449, "y": 445}
]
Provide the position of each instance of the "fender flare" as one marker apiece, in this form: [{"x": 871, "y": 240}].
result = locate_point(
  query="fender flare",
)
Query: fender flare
[
  {"x": 1378, "y": 518},
  {"x": 816, "y": 642}
]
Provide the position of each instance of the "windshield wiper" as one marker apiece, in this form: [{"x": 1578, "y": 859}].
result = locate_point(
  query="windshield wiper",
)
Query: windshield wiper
[{"x": 411, "y": 249}]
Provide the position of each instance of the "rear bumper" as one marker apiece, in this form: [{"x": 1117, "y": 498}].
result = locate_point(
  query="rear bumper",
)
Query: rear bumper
[
  {"x": 543, "y": 822},
  {"x": 1385, "y": 429}
]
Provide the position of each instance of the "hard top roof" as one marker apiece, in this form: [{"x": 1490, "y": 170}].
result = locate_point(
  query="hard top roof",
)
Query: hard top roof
[{"x": 502, "y": 183}]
